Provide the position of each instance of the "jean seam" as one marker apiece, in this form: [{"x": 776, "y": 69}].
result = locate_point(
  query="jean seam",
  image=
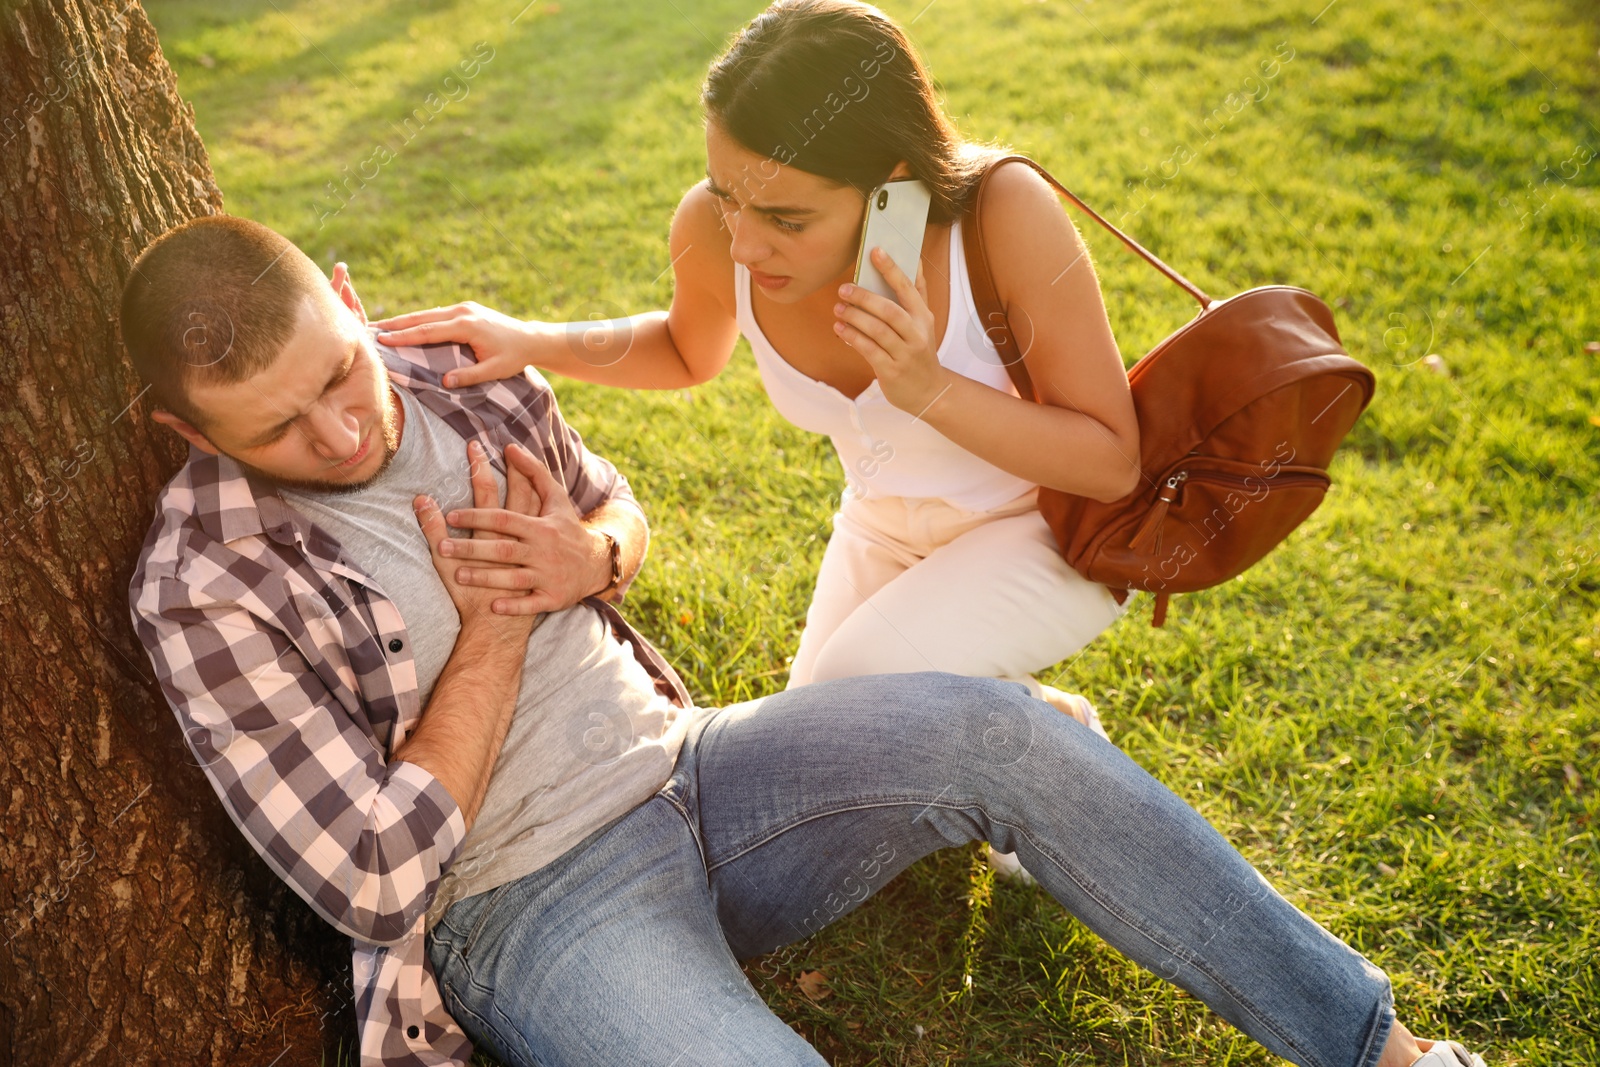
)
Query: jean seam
[
  {"x": 886, "y": 802},
  {"x": 694, "y": 831},
  {"x": 479, "y": 920},
  {"x": 491, "y": 1028},
  {"x": 451, "y": 954},
  {"x": 510, "y": 1026},
  {"x": 1373, "y": 1050},
  {"x": 1091, "y": 889}
]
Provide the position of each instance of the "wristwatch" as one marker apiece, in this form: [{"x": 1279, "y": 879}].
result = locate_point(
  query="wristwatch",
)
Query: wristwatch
[{"x": 616, "y": 563}]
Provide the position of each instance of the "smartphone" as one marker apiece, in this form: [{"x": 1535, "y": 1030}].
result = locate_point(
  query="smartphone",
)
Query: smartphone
[{"x": 897, "y": 217}]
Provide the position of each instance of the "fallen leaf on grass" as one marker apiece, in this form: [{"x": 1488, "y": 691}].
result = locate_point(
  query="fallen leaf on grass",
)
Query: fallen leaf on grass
[
  {"x": 814, "y": 984},
  {"x": 1386, "y": 870}
]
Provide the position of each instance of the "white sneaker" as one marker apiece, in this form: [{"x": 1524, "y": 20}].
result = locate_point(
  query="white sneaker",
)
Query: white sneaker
[
  {"x": 1448, "y": 1054},
  {"x": 1074, "y": 704},
  {"x": 1008, "y": 868}
]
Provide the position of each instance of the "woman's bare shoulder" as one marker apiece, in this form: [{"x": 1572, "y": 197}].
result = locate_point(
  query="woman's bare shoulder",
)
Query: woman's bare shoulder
[
  {"x": 700, "y": 241},
  {"x": 1026, "y": 229},
  {"x": 1019, "y": 204}
]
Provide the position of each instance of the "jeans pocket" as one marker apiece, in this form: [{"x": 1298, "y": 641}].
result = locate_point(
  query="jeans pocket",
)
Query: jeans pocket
[
  {"x": 512, "y": 1041},
  {"x": 481, "y": 918},
  {"x": 498, "y": 1036}
]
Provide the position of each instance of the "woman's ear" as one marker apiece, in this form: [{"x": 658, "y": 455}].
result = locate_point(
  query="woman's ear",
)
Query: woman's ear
[{"x": 901, "y": 170}]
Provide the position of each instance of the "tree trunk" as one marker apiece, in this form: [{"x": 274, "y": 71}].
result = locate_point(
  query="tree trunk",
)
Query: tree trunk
[{"x": 139, "y": 925}]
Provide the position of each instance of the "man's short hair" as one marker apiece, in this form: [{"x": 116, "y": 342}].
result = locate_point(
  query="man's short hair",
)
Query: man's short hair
[{"x": 214, "y": 300}]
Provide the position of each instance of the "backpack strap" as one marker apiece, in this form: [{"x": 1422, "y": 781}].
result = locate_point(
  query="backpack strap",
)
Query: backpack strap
[{"x": 991, "y": 313}]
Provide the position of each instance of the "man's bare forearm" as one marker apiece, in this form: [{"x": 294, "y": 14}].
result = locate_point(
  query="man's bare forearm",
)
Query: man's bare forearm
[{"x": 460, "y": 733}]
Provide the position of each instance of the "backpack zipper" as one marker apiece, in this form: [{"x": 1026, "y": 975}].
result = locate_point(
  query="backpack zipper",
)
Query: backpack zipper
[
  {"x": 1151, "y": 526},
  {"x": 1149, "y": 531}
]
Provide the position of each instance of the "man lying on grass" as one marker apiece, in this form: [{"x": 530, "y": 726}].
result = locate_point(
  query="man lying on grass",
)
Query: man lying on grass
[{"x": 383, "y": 614}]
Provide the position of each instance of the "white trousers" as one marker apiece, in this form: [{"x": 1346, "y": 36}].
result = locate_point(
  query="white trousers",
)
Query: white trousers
[{"x": 920, "y": 584}]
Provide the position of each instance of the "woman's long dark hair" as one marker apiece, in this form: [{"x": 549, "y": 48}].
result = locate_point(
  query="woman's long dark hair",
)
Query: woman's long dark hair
[{"x": 834, "y": 88}]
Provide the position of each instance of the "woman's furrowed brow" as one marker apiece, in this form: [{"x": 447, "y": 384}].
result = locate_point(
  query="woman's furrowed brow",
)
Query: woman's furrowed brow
[{"x": 788, "y": 212}]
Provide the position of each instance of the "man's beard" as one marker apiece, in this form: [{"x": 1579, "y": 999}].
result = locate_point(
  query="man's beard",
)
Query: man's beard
[{"x": 390, "y": 430}]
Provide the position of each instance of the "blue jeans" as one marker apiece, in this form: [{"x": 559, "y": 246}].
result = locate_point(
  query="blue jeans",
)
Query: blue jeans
[{"x": 785, "y": 813}]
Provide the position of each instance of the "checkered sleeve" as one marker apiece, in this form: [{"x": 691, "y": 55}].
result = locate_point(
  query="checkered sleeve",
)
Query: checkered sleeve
[
  {"x": 362, "y": 840},
  {"x": 590, "y": 479}
]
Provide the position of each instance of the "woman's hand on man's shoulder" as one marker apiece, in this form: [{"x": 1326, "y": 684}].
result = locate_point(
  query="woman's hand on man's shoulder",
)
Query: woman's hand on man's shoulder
[{"x": 502, "y": 345}]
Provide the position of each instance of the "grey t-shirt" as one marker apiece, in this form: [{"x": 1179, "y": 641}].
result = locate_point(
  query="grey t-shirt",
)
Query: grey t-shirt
[{"x": 590, "y": 738}]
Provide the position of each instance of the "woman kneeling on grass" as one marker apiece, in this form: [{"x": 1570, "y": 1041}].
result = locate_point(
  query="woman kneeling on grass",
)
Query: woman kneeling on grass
[{"x": 939, "y": 558}]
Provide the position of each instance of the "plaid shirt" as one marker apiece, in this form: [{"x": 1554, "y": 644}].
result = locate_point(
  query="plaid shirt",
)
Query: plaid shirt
[{"x": 291, "y": 675}]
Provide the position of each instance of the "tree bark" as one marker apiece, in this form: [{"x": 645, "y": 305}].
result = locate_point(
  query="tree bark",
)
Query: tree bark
[{"x": 138, "y": 924}]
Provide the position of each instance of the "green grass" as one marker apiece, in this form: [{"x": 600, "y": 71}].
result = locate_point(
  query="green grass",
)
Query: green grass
[{"x": 1394, "y": 715}]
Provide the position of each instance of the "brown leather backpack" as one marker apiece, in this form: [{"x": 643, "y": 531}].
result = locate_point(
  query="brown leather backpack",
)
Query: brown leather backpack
[{"x": 1239, "y": 413}]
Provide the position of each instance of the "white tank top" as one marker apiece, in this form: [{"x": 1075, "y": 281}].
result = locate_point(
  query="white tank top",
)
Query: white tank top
[{"x": 886, "y": 451}]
